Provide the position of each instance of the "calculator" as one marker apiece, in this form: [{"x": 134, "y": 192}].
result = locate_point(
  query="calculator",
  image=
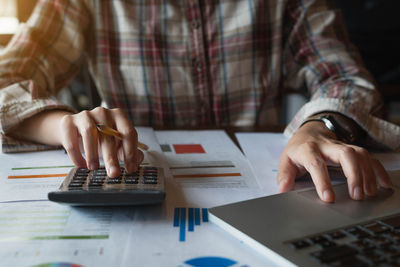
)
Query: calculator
[{"x": 84, "y": 187}]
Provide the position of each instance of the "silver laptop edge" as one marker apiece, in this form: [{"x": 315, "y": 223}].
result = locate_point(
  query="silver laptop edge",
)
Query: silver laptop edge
[{"x": 269, "y": 223}]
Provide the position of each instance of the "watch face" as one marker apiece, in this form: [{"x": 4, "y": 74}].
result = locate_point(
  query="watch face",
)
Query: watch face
[{"x": 341, "y": 133}]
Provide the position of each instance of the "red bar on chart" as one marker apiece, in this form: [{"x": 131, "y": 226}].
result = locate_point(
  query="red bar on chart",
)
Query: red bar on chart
[{"x": 189, "y": 149}]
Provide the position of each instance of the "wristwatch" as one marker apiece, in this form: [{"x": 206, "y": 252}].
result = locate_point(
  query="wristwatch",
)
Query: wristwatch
[{"x": 342, "y": 131}]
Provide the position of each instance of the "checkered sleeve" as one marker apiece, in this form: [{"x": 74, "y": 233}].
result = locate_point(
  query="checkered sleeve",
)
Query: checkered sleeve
[
  {"x": 42, "y": 57},
  {"x": 318, "y": 55}
]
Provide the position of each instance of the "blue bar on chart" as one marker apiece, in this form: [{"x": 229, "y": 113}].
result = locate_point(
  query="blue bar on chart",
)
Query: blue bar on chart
[
  {"x": 197, "y": 216},
  {"x": 205, "y": 214},
  {"x": 182, "y": 225},
  {"x": 176, "y": 217},
  {"x": 191, "y": 220},
  {"x": 192, "y": 215}
]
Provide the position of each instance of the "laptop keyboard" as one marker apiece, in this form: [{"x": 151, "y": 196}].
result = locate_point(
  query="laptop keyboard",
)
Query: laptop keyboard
[{"x": 366, "y": 244}]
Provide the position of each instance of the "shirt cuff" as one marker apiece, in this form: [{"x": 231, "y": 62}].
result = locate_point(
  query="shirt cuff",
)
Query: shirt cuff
[
  {"x": 380, "y": 131},
  {"x": 12, "y": 145},
  {"x": 16, "y": 105}
]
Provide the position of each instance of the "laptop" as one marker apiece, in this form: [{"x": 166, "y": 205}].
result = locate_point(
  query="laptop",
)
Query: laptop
[{"x": 297, "y": 228}]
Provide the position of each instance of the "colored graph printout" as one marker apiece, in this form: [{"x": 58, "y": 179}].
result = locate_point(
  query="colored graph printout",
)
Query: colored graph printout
[
  {"x": 57, "y": 175},
  {"x": 45, "y": 221},
  {"x": 30, "y": 176},
  {"x": 41, "y": 232},
  {"x": 222, "y": 166},
  {"x": 180, "y": 234},
  {"x": 188, "y": 217}
]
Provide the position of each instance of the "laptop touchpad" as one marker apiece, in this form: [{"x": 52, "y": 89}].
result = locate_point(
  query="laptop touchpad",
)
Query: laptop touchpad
[{"x": 384, "y": 201}]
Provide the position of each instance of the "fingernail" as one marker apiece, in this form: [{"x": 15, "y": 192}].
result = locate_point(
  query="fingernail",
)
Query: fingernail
[
  {"x": 328, "y": 195},
  {"x": 357, "y": 193},
  {"x": 113, "y": 171}
]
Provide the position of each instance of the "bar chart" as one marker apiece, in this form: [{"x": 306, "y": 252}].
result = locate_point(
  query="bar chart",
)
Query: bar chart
[{"x": 187, "y": 218}]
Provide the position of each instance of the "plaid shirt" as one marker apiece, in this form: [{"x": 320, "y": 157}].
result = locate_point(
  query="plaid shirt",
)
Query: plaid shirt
[{"x": 193, "y": 62}]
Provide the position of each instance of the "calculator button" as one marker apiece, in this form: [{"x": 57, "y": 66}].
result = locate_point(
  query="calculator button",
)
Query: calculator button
[
  {"x": 150, "y": 181},
  {"x": 114, "y": 180},
  {"x": 99, "y": 171},
  {"x": 97, "y": 179},
  {"x": 98, "y": 176},
  {"x": 131, "y": 181},
  {"x": 150, "y": 168},
  {"x": 150, "y": 173},
  {"x": 78, "y": 180},
  {"x": 97, "y": 185},
  {"x": 82, "y": 170},
  {"x": 75, "y": 186},
  {"x": 80, "y": 176},
  {"x": 150, "y": 177},
  {"x": 131, "y": 176},
  {"x": 96, "y": 182}
]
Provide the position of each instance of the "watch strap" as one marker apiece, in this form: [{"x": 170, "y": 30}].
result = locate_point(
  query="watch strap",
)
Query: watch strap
[{"x": 342, "y": 130}]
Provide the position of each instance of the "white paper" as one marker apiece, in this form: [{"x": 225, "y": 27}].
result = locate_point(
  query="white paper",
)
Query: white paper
[
  {"x": 213, "y": 162},
  {"x": 157, "y": 242},
  {"x": 218, "y": 156},
  {"x": 154, "y": 237},
  {"x": 23, "y": 175},
  {"x": 263, "y": 151},
  {"x": 41, "y": 232}
]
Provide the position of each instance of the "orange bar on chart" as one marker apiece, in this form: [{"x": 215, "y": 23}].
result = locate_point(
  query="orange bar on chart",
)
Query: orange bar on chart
[{"x": 37, "y": 176}]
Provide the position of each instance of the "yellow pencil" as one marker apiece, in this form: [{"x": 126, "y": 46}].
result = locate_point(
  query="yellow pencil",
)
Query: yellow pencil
[{"x": 111, "y": 132}]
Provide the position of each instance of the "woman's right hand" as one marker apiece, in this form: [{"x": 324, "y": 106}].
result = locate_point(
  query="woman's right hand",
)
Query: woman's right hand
[{"x": 79, "y": 132}]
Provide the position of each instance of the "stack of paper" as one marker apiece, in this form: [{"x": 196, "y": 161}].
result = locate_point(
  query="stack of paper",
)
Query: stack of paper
[{"x": 204, "y": 169}]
